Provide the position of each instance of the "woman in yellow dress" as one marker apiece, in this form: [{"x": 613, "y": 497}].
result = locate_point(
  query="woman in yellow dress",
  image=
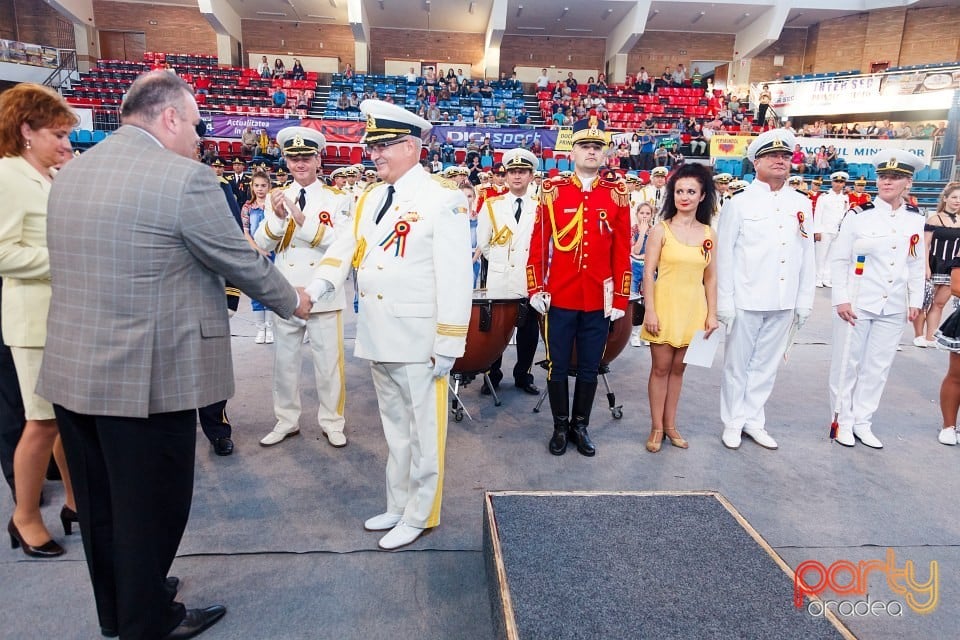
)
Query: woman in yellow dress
[{"x": 680, "y": 286}]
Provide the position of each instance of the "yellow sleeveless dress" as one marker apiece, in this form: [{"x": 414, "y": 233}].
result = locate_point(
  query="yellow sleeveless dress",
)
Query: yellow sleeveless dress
[{"x": 678, "y": 294}]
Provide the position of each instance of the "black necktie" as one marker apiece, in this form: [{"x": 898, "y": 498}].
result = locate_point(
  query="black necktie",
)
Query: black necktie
[
  {"x": 302, "y": 200},
  {"x": 519, "y": 209},
  {"x": 658, "y": 195},
  {"x": 386, "y": 203}
]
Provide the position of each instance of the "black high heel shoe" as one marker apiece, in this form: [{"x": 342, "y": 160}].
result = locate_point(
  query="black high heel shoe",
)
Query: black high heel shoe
[
  {"x": 48, "y": 549},
  {"x": 67, "y": 517}
]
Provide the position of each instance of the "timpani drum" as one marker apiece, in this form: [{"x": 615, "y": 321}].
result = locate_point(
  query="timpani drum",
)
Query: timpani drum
[{"x": 492, "y": 321}]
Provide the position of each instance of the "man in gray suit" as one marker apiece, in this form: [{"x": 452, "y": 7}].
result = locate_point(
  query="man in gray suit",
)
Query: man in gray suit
[{"x": 138, "y": 338}]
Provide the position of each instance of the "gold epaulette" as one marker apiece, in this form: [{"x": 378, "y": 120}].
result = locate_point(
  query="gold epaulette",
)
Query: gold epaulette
[
  {"x": 495, "y": 198},
  {"x": 548, "y": 189},
  {"x": 619, "y": 194},
  {"x": 445, "y": 182},
  {"x": 337, "y": 191}
]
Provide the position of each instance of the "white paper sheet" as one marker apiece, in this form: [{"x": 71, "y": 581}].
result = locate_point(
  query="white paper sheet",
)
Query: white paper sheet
[{"x": 702, "y": 351}]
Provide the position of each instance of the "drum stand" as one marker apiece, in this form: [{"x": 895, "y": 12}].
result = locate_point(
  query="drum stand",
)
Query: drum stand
[
  {"x": 456, "y": 405},
  {"x": 616, "y": 410}
]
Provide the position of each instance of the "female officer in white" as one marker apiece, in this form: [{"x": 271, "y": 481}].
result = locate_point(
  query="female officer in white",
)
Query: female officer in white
[
  {"x": 410, "y": 244},
  {"x": 766, "y": 270},
  {"x": 877, "y": 266}
]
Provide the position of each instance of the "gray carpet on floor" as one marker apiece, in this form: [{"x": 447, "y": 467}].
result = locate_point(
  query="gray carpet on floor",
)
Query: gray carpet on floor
[{"x": 629, "y": 566}]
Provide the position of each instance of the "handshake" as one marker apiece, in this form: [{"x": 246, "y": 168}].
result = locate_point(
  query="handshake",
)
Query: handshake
[{"x": 317, "y": 291}]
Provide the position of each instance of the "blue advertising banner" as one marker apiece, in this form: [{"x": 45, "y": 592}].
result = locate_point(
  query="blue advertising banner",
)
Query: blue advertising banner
[{"x": 500, "y": 137}]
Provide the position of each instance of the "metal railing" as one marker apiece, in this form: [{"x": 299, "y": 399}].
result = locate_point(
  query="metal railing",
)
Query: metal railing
[{"x": 65, "y": 72}]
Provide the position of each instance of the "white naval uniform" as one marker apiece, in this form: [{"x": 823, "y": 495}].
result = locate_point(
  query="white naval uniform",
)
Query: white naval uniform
[
  {"x": 765, "y": 272},
  {"x": 891, "y": 283},
  {"x": 299, "y": 250},
  {"x": 413, "y": 305},
  {"x": 655, "y": 197},
  {"x": 505, "y": 244},
  {"x": 826, "y": 221}
]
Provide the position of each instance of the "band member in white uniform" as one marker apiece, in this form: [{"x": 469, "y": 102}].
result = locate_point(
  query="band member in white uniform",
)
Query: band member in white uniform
[
  {"x": 504, "y": 226},
  {"x": 766, "y": 272},
  {"x": 410, "y": 244},
  {"x": 300, "y": 223},
  {"x": 826, "y": 223},
  {"x": 878, "y": 267},
  {"x": 656, "y": 191}
]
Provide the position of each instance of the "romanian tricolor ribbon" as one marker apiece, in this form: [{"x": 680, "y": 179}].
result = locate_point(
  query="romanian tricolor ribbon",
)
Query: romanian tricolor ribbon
[
  {"x": 603, "y": 222},
  {"x": 326, "y": 219},
  {"x": 397, "y": 237},
  {"x": 706, "y": 249},
  {"x": 858, "y": 270},
  {"x": 914, "y": 241},
  {"x": 800, "y": 219}
]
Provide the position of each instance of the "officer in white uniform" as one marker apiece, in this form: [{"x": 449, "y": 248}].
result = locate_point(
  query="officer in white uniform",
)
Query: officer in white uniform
[
  {"x": 656, "y": 192},
  {"x": 301, "y": 221},
  {"x": 878, "y": 271},
  {"x": 826, "y": 223},
  {"x": 410, "y": 244},
  {"x": 766, "y": 272},
  {"x": 504, "y": 225}
]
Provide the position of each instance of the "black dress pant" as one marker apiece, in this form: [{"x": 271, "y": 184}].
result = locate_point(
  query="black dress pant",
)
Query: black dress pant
[
  {"x": 12, "y": 418},
  {"x": 566, "y": 329},
  {"x": 528, "y": 335},
  {"x": 133, "y": 481},
  {"x": 214, "y": 421}
]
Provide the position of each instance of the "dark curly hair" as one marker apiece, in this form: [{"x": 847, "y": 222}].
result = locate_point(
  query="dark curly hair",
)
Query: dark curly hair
[{"x": 702, "y": 174}]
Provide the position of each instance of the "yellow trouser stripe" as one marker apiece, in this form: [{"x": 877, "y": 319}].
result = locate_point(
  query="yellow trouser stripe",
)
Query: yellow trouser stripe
[
  {"x": 340, "y": 366},
  {"x": 441, "y": 393},
  {"x": 546, "y": 341}
]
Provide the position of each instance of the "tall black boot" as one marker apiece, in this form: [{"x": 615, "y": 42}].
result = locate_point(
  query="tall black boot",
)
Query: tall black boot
[
  {"x": 559, "y": 393},
  {"x": 583, "y": 394}
]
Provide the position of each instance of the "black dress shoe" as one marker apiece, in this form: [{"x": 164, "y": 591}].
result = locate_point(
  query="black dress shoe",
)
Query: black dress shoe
[
  {"x": 172, "y": 584},
  {"x": 529, "y": 387},
  {"x": 223, "y": 446},
  {"x": 196, "y": 622},
  {"x": 48, "y": 549}
]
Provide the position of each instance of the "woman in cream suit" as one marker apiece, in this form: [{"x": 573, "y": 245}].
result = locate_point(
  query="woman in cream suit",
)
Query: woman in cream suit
[{"x": 34, "y": 137}]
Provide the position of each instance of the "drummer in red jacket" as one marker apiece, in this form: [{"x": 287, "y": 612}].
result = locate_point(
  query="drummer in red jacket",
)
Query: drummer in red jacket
[{"x": 585, "y": 221}]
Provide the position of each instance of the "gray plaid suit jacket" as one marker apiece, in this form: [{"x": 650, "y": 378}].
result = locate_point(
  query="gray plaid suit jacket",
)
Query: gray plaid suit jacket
[{"x": 140, "y": 241}]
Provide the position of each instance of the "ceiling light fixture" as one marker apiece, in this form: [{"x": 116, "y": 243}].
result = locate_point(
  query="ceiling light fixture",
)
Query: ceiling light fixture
[
  {"x": 333, "y": 3},
  {"x": 530, "y": 29},
  {"x": 470, "y": 8},
  {"x": 697, "y": 18},
  {"x": 565, "y": 11},
  {"x": 271, "y": 13},
  {"x": 606, "y": 14},
  {"x": 794, "y": 18},
  {"x": 313, "y": 15},
  {"x": 580, "y": 30},
  {"x": 519, "y": 10},
  {"x": 742, "y": 18},
  {"x": 653, "y": 14}
]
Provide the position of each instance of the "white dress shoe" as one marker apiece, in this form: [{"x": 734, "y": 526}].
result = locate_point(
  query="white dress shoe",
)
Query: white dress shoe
[
  {"x": 828, "y": 285},
  {"x": 336, "y": 438},
  {"x": 845, "y": 436},
  {"x": 762, "y": 438},
  {"x": 268, "y": 337},
  {"x": 921, "y": 342},
  {"x": 276, "y": 437},
  {"x": 731, "y": 438},
  {"x": 382, "y": 522},
  {"x": 400, "y": 536},
  {"x": 865, "y": 435},
  {"x": 948, "y": 436},
  {"x": 635, "y": 340},
  {"x": 261, "y": 335}
]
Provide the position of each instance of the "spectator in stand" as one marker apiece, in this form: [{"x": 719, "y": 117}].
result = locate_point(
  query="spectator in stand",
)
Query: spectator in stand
[
  {"x": 522, "y": 117},
  {"x": 602, "y": 88},
  {"x": 666, "y": 78},
  {"x": 763, "y": 105},
  {"x": 279, "y": 70},
  {"x": 279, "y": 97},
  {"x": 559, "y": 118},
  {"x": 661, "y": 156},
  {"x": 201, "y": 86},
  {"x": 635, "y": 151},
  {"x": 303, "y": 103},
  {"x": 459, "y": 121},
  {"x": 264, "y": 67},
  {"x": 821, "y": 161},
  {"x": 905, "y": 131},
  {"x": 698, "y": 142},
  {"x": 571, "y": 84},
  {"x": 591, "y": 85},
  {"x": 679, "y": 78},
  {"x": 353, "y": 102},
  {"x": 436, "y": 165},
  {"x": 733, "y": 103},
  {"x": 696, "y": 80},
  {"x": 833, "y": 160},
  {"x": 297, "y": 72},
  {"x": 413, "y": 77},
  {"x": 501, "y": 115},
  {"x": 798, "y": 160},
  {"x": 643, "y": 82},
  {"x": 273, "y": 151},
  {"x": 248, "y": 142}
]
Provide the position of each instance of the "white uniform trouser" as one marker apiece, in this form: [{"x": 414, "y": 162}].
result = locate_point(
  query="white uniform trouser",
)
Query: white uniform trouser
[
  {"x": 751, "y": 358},
  {"x": 822, "y": 251},
  {"x": 326, "y": 347},
  {"x": 860, "y": 381},
  {"x": 413, "y": 409}
]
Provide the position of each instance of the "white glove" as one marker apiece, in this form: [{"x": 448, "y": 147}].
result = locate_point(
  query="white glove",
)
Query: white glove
[
  {"x": 616, "y": 314},
  {"x": 726, "y": 318},
  {"x": 320, "y": 290},
  {"x": 442, "y": 365},
  {"x": 540, "y": 302},
  {"x": 801, "y": 316}
]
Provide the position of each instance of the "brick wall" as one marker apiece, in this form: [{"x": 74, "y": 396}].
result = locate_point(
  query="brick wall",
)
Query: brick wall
[
  {"x": 547, "y": 51},
  {"x": 658, "y": 49},
  {"x": 428, "y": 46},
  {"x": 309, "y": 39},
  {"x": 178, "y": 29},
  {"x": 839, "y": 44},
  {"x": 931, "y": 35},
  {"x": 35, "y": 22},
  {"x": 882, "y": 40},
  {"x": 792, "y": 45}
]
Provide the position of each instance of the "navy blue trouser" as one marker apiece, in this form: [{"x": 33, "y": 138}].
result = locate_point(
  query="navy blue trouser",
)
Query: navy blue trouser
[{"x": 585, "y": 330}]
